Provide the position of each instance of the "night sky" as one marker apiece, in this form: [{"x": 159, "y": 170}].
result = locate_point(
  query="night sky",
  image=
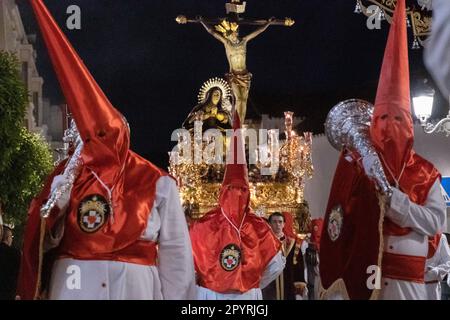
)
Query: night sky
[{"x": 151, "y": 68}]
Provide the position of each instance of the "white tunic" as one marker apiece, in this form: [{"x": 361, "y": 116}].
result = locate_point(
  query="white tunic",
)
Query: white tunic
[
  {"x": 172, "y": 278},
  {"x": 437, "y": 267},
  {"x": 425, "y": 221},
  {"x": 437, "y": 50},
  {"x": 273, "y": 270}
]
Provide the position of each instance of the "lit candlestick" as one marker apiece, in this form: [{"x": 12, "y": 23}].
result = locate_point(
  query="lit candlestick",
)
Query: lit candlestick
[{"x": 198, "y": 138}]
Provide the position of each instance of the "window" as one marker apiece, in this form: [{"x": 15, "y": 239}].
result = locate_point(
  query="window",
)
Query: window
[
  {"x": 36, "y": 107},
  {"x": 24, "y": 74}
]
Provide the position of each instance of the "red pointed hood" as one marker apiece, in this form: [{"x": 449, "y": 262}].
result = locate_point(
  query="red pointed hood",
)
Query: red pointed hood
[
  {"x": 236, "y": 169},
  {"x": 107, "y": 158},
  {"x": 231, "y": 227},
  {"x": 392, "y": 128},
  {"x": 102, "y": 128},
  {"x": 234, "y": 194}
]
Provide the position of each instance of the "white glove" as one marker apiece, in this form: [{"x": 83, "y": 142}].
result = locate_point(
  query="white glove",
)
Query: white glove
[
  {"x": 374, "y": 170},
  {"x": 58, "y": 182},
  {"x": 426, "y": 4},
  {"x": 432, "y": 274}
]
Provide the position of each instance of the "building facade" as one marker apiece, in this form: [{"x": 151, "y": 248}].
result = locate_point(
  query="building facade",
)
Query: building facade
[{"x": 41, "y": 117}]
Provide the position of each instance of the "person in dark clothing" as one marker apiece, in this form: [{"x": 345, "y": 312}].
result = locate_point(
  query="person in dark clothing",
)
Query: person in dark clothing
[
  {"x": 290, "y": 285},
  {"x": 9, "y": 265}
]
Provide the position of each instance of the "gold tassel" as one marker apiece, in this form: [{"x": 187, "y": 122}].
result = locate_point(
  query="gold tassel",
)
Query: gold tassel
[
  {"x": 41, "y": 259},
  {"x": 338, "y": 287},
  {"x": 296, "y": 251},
  {"x": 277, "y": 288},
  {"x": 382, "y": 205}
]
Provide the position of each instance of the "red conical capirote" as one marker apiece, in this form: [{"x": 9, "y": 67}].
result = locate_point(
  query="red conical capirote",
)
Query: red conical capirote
[
  {"x": 234, "y": 195},
  {"x": 102, "y": 128},
  {"x": 392, "y": 129},
  {"x": 236, "y": 170}
]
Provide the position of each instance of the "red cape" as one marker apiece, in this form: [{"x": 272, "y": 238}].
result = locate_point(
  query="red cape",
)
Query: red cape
[
  {"x": 212, "y": 233},
  {"x": 28, "y": 275},
  {"x": 357, "y": 245}
]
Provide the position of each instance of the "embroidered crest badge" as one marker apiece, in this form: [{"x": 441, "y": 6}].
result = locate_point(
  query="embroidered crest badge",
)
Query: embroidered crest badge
[
  {"x": 335, "y": 222},
  {"x": 93, "y": 212},
  {"x": 230, "y": 257}
]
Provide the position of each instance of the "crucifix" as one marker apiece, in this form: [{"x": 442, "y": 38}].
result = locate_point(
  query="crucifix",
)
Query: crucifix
[{"x": 226, "y": 30}]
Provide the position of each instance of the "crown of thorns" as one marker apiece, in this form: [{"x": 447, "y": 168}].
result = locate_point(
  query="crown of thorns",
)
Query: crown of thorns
[{"x": 226, "y": 27}]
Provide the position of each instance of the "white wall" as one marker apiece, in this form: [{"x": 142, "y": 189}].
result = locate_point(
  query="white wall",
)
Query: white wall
[
  {"x": 434, "y": 147},
  {"x": 317, "y": 189}
]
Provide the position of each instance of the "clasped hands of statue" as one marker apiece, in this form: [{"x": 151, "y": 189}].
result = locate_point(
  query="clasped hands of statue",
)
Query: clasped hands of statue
[{"x": 210, "y": 112}]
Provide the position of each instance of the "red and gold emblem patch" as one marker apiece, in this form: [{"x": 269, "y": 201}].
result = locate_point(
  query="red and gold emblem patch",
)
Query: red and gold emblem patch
[
  {"x": 335, "y": 222},
  {"x": 230, "y": 257},
  {"x": 93, "y": 212}
]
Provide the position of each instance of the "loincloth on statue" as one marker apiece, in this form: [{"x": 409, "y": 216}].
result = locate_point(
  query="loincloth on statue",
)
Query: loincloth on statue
[{"x": 241, "y": 79}]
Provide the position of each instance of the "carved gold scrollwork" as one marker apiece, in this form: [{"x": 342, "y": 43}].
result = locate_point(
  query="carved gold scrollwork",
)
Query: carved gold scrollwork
[
  {"x": 200, "y": 184},
  {"x": 420, "y": 19}
]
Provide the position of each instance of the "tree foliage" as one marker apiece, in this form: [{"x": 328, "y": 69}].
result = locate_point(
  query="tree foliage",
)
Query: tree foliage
[
  {"x": 13, "y": 102},
  {"x": 25, "y": 158}
]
